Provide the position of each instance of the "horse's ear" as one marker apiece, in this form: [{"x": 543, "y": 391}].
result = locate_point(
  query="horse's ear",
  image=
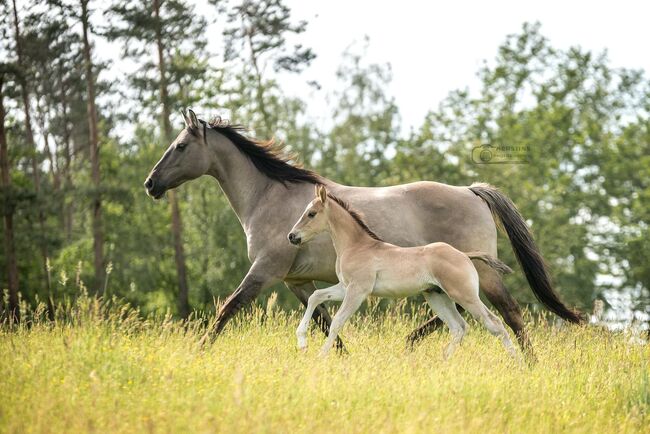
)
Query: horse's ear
[
  {"x": 186, "y": 118},
  {"x": 193, "y": 120},
  {"x": 321, "y": 192}
]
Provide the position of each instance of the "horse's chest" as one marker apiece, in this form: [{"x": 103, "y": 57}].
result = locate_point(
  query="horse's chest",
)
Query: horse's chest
[{"x": 315, "y": 261}]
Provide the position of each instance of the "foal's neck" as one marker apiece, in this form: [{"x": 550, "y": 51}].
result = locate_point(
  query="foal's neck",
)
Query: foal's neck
[{"x": 344, "y": 230}]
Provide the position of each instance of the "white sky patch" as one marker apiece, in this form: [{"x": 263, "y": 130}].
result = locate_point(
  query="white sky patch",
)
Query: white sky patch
[
  {"x": 436, "y": 47},
  {"x": 432, "y": 47}
]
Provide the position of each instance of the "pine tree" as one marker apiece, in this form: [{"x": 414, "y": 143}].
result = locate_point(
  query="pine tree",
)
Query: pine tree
[
  {"x": 11, "y": 266},
  {"x": 169, "y": 27},
  {"x": 23, "y": 76},
  {"x": 257, "y": 35},
  {"x": 98, "y": 230}
]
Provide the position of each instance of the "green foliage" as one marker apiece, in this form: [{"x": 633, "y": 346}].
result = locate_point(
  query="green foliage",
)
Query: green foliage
[
  {"x": 585, "y": 190},
  {"x": 261, "y": 27}
]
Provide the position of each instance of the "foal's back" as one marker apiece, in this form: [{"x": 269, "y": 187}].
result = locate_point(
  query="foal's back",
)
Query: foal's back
[{"x": 406, "y": 271}]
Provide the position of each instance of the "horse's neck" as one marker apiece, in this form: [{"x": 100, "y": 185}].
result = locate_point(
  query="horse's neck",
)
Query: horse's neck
[
  {"x": 242, "y": 183},
  {"x": 344, "y": 230}
]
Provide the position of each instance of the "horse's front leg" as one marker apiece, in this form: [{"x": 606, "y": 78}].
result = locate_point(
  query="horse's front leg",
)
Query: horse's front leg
[
  {"x": 257, "y": 279},
  {"x": 354, "y": 296},
  {"x": 333, "y": 293}
]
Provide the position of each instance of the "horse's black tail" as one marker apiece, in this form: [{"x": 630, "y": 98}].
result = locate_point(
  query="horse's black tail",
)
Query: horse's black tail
[
  {"x": 526, "y": 251},
  {"x": 491, "y": 261}
]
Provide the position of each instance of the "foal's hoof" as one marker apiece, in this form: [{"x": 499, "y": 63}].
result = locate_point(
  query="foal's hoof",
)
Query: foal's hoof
[
  {"x": 448, "y": 352},
  {"x": 302, "y": 344}
]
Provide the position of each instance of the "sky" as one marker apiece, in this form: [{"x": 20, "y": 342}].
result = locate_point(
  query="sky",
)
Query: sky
[{"x": 436, "y": 47}]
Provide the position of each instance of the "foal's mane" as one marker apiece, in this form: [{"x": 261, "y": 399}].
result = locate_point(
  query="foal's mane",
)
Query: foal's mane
[
  {"x": 355, "y": 216},
  {"x": 268, "y": 156}
]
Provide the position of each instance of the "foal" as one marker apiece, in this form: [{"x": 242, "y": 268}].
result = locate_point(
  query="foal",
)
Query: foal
[{"x": 366, "y": 265}]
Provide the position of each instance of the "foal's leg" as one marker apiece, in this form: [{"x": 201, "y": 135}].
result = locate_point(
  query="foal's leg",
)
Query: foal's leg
[
  {"x": 424, "y": 330},
  {"x": 335, "y": 293},
  {"x": 473, "y": 304},
  {"x": 492, "y": 285},
  {"x": 354, "y": 296},
  {"x": 445, "y": 308}
]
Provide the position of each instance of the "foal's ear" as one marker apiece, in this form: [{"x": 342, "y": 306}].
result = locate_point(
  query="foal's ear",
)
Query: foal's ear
[{"x": 321, "y": 193}]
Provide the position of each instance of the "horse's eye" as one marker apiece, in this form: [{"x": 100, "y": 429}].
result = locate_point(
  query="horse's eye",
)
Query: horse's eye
[
  {"x": 312, "y": 214},
  {"x": 181, "y": 146}
]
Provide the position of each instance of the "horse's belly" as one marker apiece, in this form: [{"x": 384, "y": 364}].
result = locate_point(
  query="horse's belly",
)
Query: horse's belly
[{"x": 401, "y": 285}]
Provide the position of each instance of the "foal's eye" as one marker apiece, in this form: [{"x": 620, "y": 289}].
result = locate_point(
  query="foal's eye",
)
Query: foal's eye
[
  {"x": 311, "y": 214},
  {"x": 181, "y": 146}
]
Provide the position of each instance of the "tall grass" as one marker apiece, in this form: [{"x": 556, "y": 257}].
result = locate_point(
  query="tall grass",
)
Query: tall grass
[{"x": 102, "y": 367}]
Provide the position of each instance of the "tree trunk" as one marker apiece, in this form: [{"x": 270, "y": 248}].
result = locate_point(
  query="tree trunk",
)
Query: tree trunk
[
  {"x": 259, "y": 92},
  {"x": 177, "y": 224},
  {"x": 67, "y": 176},
  {"x": 34, "y": 160},
  {"x": 98, "y": 233},
  {"x": 9, "y": 244}
]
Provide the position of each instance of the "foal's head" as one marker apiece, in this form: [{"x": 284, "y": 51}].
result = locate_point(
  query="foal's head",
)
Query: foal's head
[
  {"x": 314, "y": 220},
  {"x": 186, "y": 158}
]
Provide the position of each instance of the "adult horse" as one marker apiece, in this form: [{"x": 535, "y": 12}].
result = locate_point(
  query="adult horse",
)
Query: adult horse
[{"x": 268, "y": 194}]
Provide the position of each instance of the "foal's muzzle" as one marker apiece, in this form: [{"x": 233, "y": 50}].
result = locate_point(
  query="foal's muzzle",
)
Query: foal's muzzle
[{"x": 293, "y": 239}]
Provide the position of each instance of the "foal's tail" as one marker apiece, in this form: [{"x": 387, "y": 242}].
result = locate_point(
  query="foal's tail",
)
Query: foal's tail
[
  {"x": 523, "y": 244},
  {"x": 491, "y": 261}
]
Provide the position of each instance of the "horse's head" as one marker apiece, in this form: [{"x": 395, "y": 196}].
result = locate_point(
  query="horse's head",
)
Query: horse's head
[
  {"x": 186, "y": 158},
  {"x": 313, "y": 220}
]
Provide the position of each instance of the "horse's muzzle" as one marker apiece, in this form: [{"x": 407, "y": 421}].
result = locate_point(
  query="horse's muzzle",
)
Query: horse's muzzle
[
  {"x": 293, "y": 239},
  {"x": 154, "y": 189}
]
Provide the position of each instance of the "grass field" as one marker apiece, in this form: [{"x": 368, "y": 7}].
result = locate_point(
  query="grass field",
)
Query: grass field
[{"x": 106, "y": 370}]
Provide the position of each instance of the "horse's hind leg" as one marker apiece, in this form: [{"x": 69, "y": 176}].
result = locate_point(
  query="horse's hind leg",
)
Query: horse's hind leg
[
  {"x": 424, "y": 330},
  {"x": 445, "y": 308}
]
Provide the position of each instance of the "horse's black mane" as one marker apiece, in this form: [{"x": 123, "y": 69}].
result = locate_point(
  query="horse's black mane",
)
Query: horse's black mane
[
  {"x": 267, "y": 156},
  {"x": 356, "y": 216}
]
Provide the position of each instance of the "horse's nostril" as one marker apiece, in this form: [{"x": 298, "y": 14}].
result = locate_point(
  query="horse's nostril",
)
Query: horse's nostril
[{"x": 148, "y": 184}]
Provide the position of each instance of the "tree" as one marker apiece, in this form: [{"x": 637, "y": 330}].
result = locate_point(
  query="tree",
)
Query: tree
[
  {"x": 8, "y": 213},
  {"x": 98, "y": 232},
  {"x": 260, "y": 28},
  {"x": 156, "y": 25},
  {"x": 571, "y": 110},
  {"x": 35, "y": 163},
  {"x": 366, "y": 124}
]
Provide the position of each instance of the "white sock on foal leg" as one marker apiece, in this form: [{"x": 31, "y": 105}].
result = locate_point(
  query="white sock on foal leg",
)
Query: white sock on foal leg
[
  {"x": 351, "y": 303},
  {"x": 492, "y": 323},
  {"x": 334, "y": 293},
  {"x": 446, "y": 310}
]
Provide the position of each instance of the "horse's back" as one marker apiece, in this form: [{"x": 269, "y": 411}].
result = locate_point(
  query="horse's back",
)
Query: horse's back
[{"x": 423, "y": 212}]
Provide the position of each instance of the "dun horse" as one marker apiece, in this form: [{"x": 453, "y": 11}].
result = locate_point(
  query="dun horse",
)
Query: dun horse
[
  {"x": 366, "y": 265},
  {"x": 268, "y": 194}
]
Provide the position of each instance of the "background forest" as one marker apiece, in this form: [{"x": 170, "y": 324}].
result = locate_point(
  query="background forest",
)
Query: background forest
[{"x": 77, "y": 144}]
